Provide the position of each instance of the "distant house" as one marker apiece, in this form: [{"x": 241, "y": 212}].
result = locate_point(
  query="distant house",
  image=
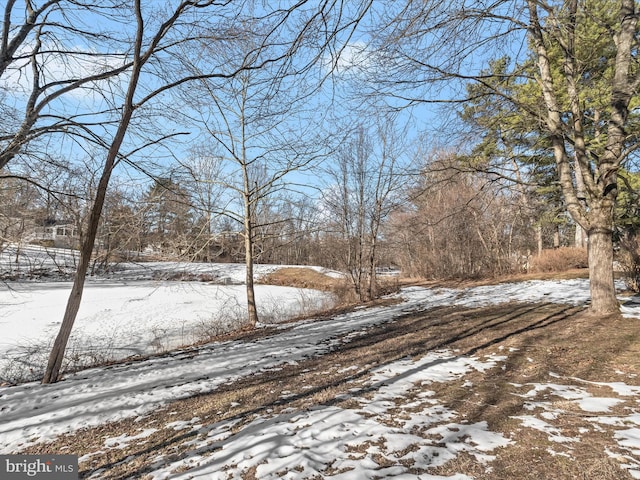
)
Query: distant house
[{"x": 57, "y": 233}]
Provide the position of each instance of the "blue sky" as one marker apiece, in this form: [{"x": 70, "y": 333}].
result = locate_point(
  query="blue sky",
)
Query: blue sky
[{"x": 339, "y": 98}]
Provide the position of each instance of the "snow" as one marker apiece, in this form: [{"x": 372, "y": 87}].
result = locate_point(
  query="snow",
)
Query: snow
[
  {"x": 628, "y": 439},
  {"x": 301, "y": 444},
  {"x": 130, "y": 311},
  {"x": 119, "y": 320},
  {"x": 554, "y": 434},
  {"x": 57, "y": 263},
  {"x": 598, "y": 404}
]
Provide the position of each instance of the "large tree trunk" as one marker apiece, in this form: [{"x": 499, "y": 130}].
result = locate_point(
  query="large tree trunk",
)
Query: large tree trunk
[
  {"x": 54, "y": 365},
  {"x": 601, "y": 281},
  {"x": 597, "y": 185}
]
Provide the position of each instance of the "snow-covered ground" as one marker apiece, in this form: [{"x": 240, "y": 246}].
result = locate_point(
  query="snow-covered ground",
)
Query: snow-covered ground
[
  {"x": 132, "y": 310},
  {"x": 117, "y": 320},
  {"x": 292, "y": 444},
  {"x": 29, "y": 261}
]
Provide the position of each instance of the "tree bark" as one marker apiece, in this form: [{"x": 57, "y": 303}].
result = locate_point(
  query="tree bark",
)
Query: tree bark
[
  {"x": 580, "y": 237},
  {"x": 54, "y": 365},
  {"x": 601, "y": 280},
  {"x": 252, "y": 308},
  {"x": 539, "y": 242},
  {"x": 52, "y": 373}
]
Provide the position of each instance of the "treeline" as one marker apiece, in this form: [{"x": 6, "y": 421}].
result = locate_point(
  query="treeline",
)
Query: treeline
[{"x": 433, "y": 219}]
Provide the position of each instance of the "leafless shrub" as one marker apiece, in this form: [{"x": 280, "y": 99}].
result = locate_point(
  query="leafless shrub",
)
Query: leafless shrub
[
  {"x": 185, "y": 277},
  {"x": 229, "y": 317},
  {"x": 27, "y": 361},
  {"x": 388, "y": 285},
  {"x": 560, "y": 260},
  {"x": 308, "y": 303},
  {"x": 458, "y": 226},
  {"x": 23, "y": 364},
  {"x": 341, "y": 289}
]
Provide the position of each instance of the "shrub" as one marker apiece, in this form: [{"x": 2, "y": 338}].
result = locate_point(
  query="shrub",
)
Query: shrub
[
  {"x": 302, "y": 277},
  {"x": 560, "y": 260},
  {"x": 43, "y": 243}
]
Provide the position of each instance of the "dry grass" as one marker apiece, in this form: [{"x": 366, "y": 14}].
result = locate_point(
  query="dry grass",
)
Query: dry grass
[
  {"x": 301, "y": 277},
  {"x": 560, "y": 260},
  {"x": 539, "y": 339},
  {"x": 341, "y": 288},
  {"x": 515, "y": 277}
]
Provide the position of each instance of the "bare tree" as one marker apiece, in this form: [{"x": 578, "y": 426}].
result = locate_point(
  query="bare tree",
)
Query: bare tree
[
  {"x": 145, "y": 47},
  {"x": 287, "y": 234},
  {"x": 202, "y": 178},
  {"x": 120, "y": 235},
  {"x": 253, "y": 122},
  {"x": 146, "y": 68},
  {"x": 365, "y": 182},
  {"x": 43, "y": 67},
  {"x": 18, "y": 209},
  {"x": 459, "y": 224}
]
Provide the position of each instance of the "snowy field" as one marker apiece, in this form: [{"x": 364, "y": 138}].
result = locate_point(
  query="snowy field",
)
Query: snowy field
[
  {"x": 133, "y": 310},
  {"x": 300, "y": 443},
  {"x": 123, "y": 319}
]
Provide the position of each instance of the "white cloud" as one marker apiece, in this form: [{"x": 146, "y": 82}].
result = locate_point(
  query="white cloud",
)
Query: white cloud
[{"x": 352, "y": 58}]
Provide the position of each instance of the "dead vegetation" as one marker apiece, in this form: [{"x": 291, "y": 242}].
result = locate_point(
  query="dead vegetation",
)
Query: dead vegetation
[
  {"x": 342, "y": 289},
  {"x": 301, "y": 277},
  {"x": 559, "y": 260}
]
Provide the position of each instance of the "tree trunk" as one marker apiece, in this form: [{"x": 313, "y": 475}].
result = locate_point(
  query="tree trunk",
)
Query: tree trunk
[
  {"x": 52, "y": 373},
  {"x": 600, "y": 181},
  {"x": 54, "y": 365},
  {"x": 372, "y": 288},
  {"x": 252, "y": 309},
  {"x": 581, "y": 194},
  {"x": 601, "y": 281},
  {"x": 539, "y": 243},
  {"x": 580, "y": 237}
]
